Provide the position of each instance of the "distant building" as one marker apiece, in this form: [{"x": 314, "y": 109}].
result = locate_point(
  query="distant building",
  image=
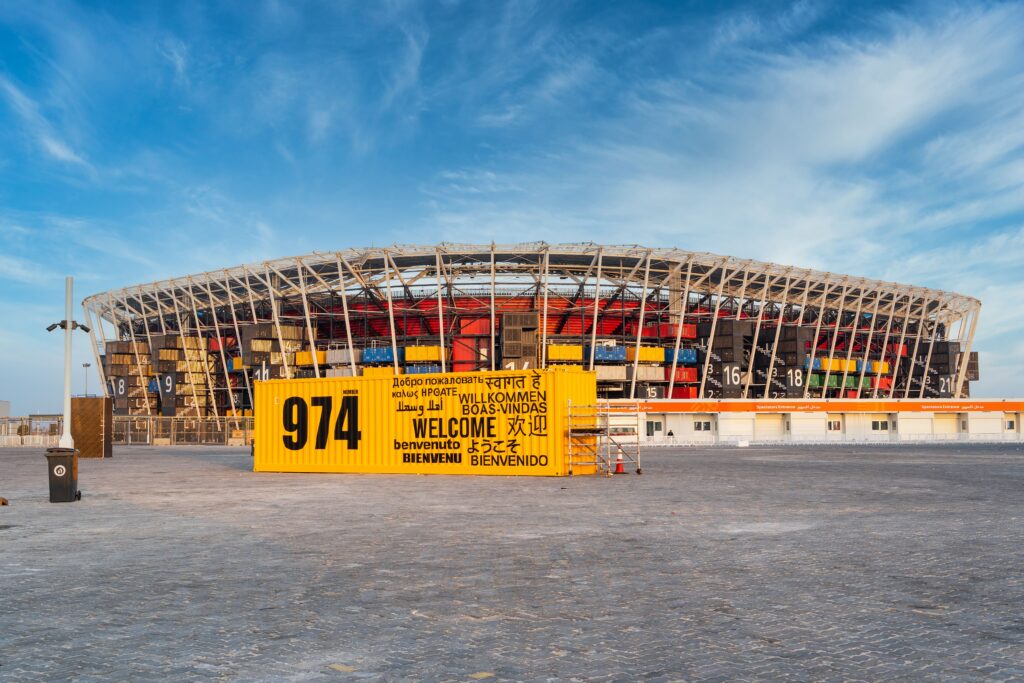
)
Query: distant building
[{"x": 5, "y": 408}]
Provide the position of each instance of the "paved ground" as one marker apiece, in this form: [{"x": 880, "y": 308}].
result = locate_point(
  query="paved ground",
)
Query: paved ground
[{"x": 755, "y": 564}]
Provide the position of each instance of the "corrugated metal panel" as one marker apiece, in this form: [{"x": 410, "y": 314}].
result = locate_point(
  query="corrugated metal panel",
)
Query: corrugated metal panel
[
  {"x": 682, "y": 374},
  {"x": 565, "y": 352},
  {"x": 341, "y": 356},
  {"x": 832, "y": 364},
  {"x": 422, "y": 369},
  {"x": 382, "y": 354},
  {"x": 647, "y": 373},
  {"x": 611, "y": 373},
  {"x": 494, "y": 423},
  {"x": 874, "y": 367},
  {"x": 343, "y": 372},
  {"x": 306, "y": 357},
  {"x": 647, "y": 354},
  {"x": 422, "y": 354},
  {"x": 685, "y": 356},
  {"x": 607, "y": 354},
  {"x": 384, "y": 371}
]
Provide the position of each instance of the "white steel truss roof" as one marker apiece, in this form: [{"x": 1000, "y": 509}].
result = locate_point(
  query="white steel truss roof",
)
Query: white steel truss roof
[{"x": 404, "y": 265}]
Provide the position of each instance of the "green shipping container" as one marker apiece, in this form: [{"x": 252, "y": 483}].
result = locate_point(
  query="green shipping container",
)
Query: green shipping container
[{"x": 817, "y": 381}]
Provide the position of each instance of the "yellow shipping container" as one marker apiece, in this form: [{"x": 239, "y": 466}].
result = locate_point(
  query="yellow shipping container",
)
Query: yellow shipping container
[
  {"x": 306, "y": 357},
  {"x": 647, "y": 354},
  {"x": 565, "y": 352},
  {"x": 382, "y": 371},
  {"x": 838, "y": 365},
  {"x": 490, "y": 423},
  {"x": 423, "y": 354}
]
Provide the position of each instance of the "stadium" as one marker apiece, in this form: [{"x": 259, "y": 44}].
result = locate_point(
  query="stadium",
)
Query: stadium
[{"x": 655, "y": 325}]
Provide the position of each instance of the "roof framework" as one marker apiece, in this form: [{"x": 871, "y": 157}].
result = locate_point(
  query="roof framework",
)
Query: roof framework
[
  {"x": 408, "y": 265},
  {"x": 602, "y": 274}
]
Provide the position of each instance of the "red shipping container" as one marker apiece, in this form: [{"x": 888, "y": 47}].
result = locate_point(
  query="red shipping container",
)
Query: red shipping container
[
  {"x": 898, "y": 349},
  {"x": 229, "y": 343},
  {"x": 881, "y": 382},
  {"x": 684, "y": 392},
  {"x": 669, "y": 331},
  {"x": 682, "y": 374}
]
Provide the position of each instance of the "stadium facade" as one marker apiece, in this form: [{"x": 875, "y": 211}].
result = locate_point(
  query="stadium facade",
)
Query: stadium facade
[{"x": 654, "y": 324}]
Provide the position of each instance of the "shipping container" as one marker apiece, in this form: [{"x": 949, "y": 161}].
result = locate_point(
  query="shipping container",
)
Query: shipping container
[
  {"x": 344, "y": 371},
  {"x": 423, "y": 354},
  {"x": 382, "y": 371},
  {"x": 831, "y": 364},
  {"x": 819, "y": 380},
  {"x": 610, "y": 373},
  {"x": 682, "y": 374},
  {"x": 685, "y": 356},
  {"x": 646, "y": 354},
  {"x": 570, "y": 352},
  {"x": 306, "y": 358},
  {"x": 645, "y": 373},
  {"x": 382, "y": 354},
  {"x": 491, "y": 423},
  {"x": 428, "y": 369},
  {"x": 338, "y": 356},
  {"x": 606, "y": 354},
  {"x": 873, "y": 367}
]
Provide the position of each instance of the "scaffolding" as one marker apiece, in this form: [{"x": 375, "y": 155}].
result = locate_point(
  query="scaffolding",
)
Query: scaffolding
[{"x": 603, "y": 436}]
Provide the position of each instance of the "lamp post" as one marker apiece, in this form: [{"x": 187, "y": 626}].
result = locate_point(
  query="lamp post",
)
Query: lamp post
[
  {"x": 86, "y": 366},
  {"x": 68, "y": 325},
  {"x": 62, "y": 461}
]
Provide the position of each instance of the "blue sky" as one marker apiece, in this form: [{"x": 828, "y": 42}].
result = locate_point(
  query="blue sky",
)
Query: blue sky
[{"x": 151, "y": 140}]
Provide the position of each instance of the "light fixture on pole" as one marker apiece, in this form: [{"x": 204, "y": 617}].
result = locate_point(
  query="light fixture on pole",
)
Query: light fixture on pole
[
  {"x": 86, "y": 366},
  {"x": 68, "y": 325}
]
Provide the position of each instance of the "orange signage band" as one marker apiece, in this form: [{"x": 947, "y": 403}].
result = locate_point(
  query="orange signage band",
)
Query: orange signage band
[{"x": 828, "y": 406}]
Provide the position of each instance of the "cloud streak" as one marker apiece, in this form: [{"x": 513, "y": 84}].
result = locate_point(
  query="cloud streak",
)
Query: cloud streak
[
  {"x": 38, "y": 127},
  {"x": 884, "y": 144}
]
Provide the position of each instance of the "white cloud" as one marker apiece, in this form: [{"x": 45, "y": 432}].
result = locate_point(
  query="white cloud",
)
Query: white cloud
[
  {"x": 38, "y": 127},
  {"x": 881, "y": 154},
  {"x": 176, "y": 53},
  {"x": 24, "y": 271},
  {"x": 785, "y": 158}
]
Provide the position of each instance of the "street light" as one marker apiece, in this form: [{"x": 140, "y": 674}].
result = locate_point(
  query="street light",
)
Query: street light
[
  {"x": 68, "y": 325},
  {"x": 86, "y": 366}
]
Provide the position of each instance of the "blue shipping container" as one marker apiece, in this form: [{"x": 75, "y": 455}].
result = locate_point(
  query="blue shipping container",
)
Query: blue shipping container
[
  {"x": 382, "y": 354},
  {"x": 686, "y": 356},
  {"x": 606, "y": 354},
  {"x": 422, "y": 369}
]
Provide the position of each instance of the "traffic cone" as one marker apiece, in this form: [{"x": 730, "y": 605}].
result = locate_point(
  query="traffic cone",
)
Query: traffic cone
[{"x": 619, "y": 469}]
